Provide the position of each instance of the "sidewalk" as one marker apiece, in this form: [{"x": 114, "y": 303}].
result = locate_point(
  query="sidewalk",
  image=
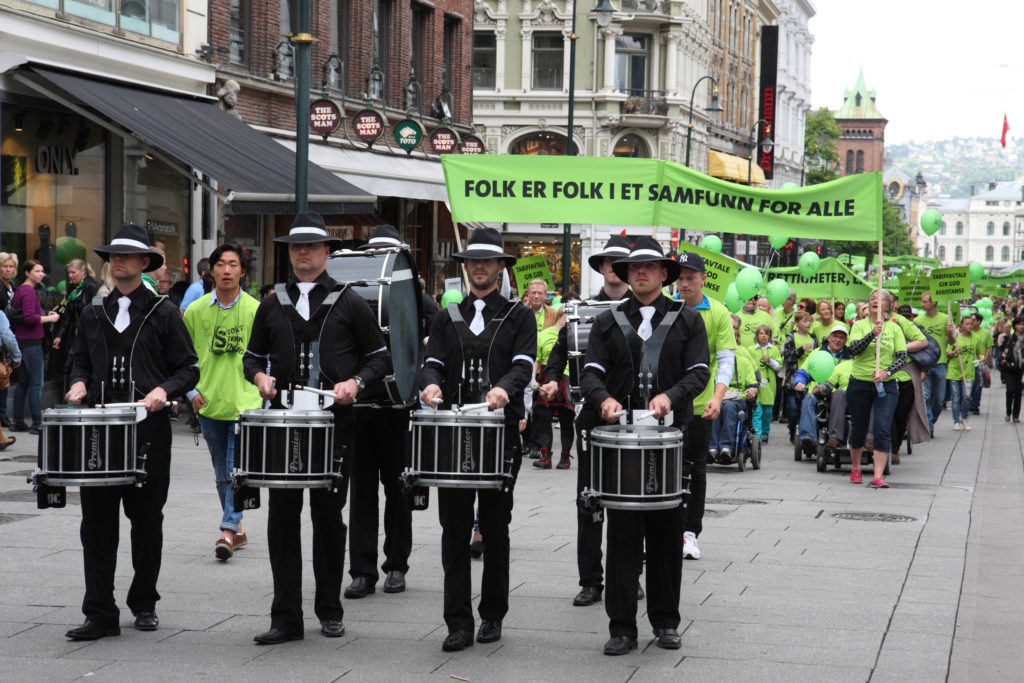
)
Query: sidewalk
[{"x": 785, "y": 589}]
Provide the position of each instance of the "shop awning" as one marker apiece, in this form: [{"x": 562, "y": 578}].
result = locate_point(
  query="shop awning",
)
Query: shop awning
[
  {"x": 383, "y": 174},
  {"x": 255, "y": 174},
  {"x": 729, "y": 167}
]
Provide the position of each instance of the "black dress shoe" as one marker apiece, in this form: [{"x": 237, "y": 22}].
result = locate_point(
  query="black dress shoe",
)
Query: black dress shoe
[
  {"x": 587, "y": 596},
  {"x": 91, "y": 630},
  {"x": 18, "y": 427},
  {"x": 278, "y": 635},
  {"x": 35, "y": 430},
  {"x": 359, "y": 588},
  {"x": 147, "y": 621},
  {"x": 640, "y": 595},
  {"x": 619, "y": 645},
  {"x": 668, "y": 638},
  {"x": 394, "y": 582},
  {"x": 332, "y": 628},
  {"x": 458, "y": 640},
  {"x": 489, "y": 632}
]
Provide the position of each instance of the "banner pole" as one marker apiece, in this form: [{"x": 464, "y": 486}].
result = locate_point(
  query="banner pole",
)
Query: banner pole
[
  {"x": 458, "y": 245},
  {"x": 878, "y": 342},
  {"x": 959, "y": 356}
]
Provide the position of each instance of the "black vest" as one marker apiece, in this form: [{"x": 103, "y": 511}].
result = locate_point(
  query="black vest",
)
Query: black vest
[
  {"x": 306, "y": 336},
  {"x": 645, "y": 355},
  {"x": 117, "y": 384},
  {"x": 476, "y": 354}
]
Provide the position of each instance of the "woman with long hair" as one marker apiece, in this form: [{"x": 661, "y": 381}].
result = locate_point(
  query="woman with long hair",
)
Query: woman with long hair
[
  {"x": 29, "y": 332},
  {"x": 8, "y": 269},
  {"x": 1011, "y": 366},
  {"x": 83, "y": 288}
]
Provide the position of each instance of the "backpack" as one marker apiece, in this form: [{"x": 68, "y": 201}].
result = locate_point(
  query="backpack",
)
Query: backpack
[{"x": 928, "y": 357}]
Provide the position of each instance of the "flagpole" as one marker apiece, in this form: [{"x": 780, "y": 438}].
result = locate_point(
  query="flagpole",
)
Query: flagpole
[{"x": 878, "y": 342}]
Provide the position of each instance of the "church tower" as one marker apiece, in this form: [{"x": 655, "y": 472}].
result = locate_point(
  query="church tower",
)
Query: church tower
[{"x": 862, "y": 145}]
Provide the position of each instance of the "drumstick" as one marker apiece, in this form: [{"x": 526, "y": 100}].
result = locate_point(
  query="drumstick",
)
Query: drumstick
[
  {"x": 471, "y": 406},
  {"x": 136, "y": 404},
  {"x": 619, "y": 414},
  {"x": 436, "y": 401},
  {"x": 319, "y": 392},
  {"x": 643, "y": 415}
]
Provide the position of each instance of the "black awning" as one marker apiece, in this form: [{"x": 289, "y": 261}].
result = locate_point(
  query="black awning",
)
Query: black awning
[{"x": 243, "y": 161}]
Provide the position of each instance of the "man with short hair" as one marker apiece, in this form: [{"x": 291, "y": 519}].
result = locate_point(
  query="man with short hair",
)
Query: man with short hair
[
  {"x": 835, "y": 387},
  {"x": 934, "y": 386},
  {"x": 535, "y": 298}
]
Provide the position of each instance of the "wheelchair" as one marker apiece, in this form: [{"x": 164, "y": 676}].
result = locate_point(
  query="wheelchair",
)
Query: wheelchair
[
  {"x": 824, "y": 455},
  {"x": 745, "y": 444}
]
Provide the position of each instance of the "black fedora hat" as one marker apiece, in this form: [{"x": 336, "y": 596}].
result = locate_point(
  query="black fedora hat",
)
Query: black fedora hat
[
  {"x": 131, "y": 239},
  {"x": 484, "y": 243},
  {"x": 617, "y": 246},
  {"x": 309, "y": 227},
  {"x": 383, "y": 236},
  {"x": 647, "y": 249}
]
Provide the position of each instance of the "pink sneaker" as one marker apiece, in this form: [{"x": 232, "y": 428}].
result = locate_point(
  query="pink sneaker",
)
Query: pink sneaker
[
  {"x": 879, "y": 483},
  {"x": 855, "y": 476}
]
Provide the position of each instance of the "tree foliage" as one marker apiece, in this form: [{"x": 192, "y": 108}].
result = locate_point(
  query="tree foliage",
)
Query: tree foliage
[
  {"x": 821, "y": 135},
  {"x": 895, "y": 236}
]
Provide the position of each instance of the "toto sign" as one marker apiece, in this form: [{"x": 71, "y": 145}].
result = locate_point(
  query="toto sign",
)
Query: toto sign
[
  {"x": 368, "y": 125},
  {"x": 408, "y": 134},
  {"x": 471, "y": 144},
  {"x": 444, "y": 140},
  {"x": 324, "y": 117}
]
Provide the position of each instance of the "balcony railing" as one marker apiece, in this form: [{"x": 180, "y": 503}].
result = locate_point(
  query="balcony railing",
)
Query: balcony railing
[
  {"x": 641, "y": 5},
  {"x": 645, "y": 102}
]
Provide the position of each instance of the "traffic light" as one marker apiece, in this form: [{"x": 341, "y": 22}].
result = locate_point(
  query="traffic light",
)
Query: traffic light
[
  {"x": 187, "y": 269},
  {"x": 819, "y": 249}
]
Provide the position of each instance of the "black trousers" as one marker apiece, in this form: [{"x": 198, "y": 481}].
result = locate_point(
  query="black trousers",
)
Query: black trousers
[
  {"x": 589, "y": 523},
  {"x": 901, "y": 416},
  {"x": 455, "y": 511},
  {"x": 380, "y": 454},
  {"x": 144, "y": 509},
  {"x": 284, "y": 544},
  {"x": 627, "y": 536},
  {"x": 695, "y": 454},
  {"x": 542, "y": 420},
  {"x": 1012, "y": 378}
]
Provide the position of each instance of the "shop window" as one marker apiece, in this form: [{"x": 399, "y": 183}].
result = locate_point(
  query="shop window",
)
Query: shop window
[
  {"x": 541, "y": 143},
  {"x": 485, "y": 59},
  {"x": 632, "y": 56},
  {"x": 548, "y": 53},
  {"x": 239, "y": 33},
  {"x": 631, "y": 146}
]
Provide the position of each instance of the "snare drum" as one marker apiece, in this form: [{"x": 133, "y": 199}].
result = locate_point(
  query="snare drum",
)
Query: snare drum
[
  {"x": 579, "y": 318},
  {"x": 88, "y": 447},
  {"x": 285, "y": 449},
  {"x": 388, "y": 280},
  {"x": 637, "y": 467},
  {"x": 458, "y": 450}
]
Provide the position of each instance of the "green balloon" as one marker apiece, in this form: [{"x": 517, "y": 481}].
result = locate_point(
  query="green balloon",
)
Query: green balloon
[
  {"x": 748, "y": 283},
  {"x": 778, "y": 292},
  {"x": 732, "y": 299},
  {"x": 789, "y": 186},
  {"x": 976, "y": 271},
  {"x": 820, "y": 365},
  {"x": 712, "y": 243},
  {"x": 556, "y": 301},
  {"x": 809, "y": 263},
  {"x": 778, "y": 242},
  {"x": 62, "y": 286},
  {"x": 984, "y": 303},
  {"x": 931, "y": 221},
  {"x": 451, "y": 296}
]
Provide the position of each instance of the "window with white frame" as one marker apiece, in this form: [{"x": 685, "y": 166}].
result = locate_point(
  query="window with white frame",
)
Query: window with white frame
[
  {"x": 548, "y": 59},
  {"x": 632, "y": 60}
]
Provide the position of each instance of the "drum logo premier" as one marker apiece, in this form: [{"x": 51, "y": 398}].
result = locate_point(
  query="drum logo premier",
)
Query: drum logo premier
[
  {"x": 94, "y": 449},
  {"x": 652, "y": 474},
  {"x": 295, "y": 464},
  {"x": 467, "y": 451}
]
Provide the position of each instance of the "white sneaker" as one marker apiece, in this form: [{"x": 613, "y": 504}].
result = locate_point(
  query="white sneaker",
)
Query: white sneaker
[
  {"x": 956, "y": 426},
  {"x": 967, "y": 427},
  {"x": 690, "y": 549}
]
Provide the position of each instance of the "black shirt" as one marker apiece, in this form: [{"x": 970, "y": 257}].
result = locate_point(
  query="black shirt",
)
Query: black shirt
[
  {"x": 510, "y": 363},
  {"x": 163, "y": 355},
  {"x": 682, "y": 367},
  {"x": 351, "y": 341}
]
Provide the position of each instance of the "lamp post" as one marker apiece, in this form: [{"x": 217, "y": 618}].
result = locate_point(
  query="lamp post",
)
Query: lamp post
[
  {"x": 712, "y": 108},
  {"x": 603, "y": 11},
  {"x": 767, "y": 145},
  {"x": 302, "y": 42}
]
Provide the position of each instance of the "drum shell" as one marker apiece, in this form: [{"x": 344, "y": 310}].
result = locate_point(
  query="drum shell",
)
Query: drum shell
[
  {"x": 637, "y": 466},
  {"x": 579, "y": 319},
  {"x": 88, "y": 447},
  {"x": 286, "y": 449},
  {"x": 458, "y": 450}
]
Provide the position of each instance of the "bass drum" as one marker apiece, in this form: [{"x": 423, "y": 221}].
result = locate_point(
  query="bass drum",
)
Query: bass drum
[{"x": 388, "y": 280}]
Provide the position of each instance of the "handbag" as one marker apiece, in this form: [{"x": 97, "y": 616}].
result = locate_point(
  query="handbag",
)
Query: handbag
[
  {"x": 6, "y": 369},
  {"x": 928, "y": 357},
  {"x": 14, "y": 315}
]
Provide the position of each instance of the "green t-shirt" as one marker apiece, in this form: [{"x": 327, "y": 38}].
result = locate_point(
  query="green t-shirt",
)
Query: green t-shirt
[
  {"x": 799, "y": 340},
  {"x": 821, "y": 330},
  {"x": 769, "y": 380},
  {"x": 970, "y": 349},
  {"x": 718, "y": 325},
  {"x": 935, "y": 326},
  {"x": 546, "y": 339},
  {"x": 220, "y": 337},
  {"x": 749, "y": 323},
  {"x": 892, "y": 342},
  {"x": 744, "y": 376},
  {"x": 910, "y": 333},
  {"x": 783, "y": 323},
  {"x": 840, "y": 377}
]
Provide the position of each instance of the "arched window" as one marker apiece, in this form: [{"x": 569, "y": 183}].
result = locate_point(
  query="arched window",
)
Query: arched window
[
  {"x": 1004, "y": 254},
  {"x": 541, "y": 143},
  {"x": 849, "y": 162},
  {"x": 942, "y": 228},
  {"x": 860, "y": 161},
  {"x": 959, "y": 227},
  {"x": 990, "y": 228},
  {"x": 942, "y": 253},
  {"x": 958, "y": 255},
  {"x": 990, "y": 253},
  {"x": 1006, "y": 228},
  {"x": 631, "y": 146}
]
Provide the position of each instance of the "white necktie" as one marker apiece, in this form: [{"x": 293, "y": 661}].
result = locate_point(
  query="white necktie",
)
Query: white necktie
[
  {"x": 645, "y": 330},
  {"x": 477, "y": 325},
  {"x": 303, "y": 304},
  {"x": 122, "y": 320}
]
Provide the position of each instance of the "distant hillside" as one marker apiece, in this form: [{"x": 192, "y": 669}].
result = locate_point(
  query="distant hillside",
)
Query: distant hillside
[{"x": 950, "y": 166}]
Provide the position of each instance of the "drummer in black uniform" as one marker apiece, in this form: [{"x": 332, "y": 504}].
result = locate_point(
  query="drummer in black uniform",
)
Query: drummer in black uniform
[
  {"x": 350, "y": 355},
  {"x": 382, "y": 444},
  {"x": 503, "y": 334},
  {"x": 589, "y": 523},
  {"x": 130, "y": 346},
  {"x": 680, "y": 372}
]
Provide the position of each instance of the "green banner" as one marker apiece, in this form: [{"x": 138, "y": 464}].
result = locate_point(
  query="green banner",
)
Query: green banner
[
  {"x": 653, "y": 192},
  {"x": 912, "y": 287},
  {"x": 531, "y": 268},
  {"x": 950, "y": 284},
  {"x": 1009, "y": 278},
  {"x": 832, "y": 281},
  {"x": 720, "y": 271},
  {"x": 859, "y": 261},
  {"x": 991, "y": 290}
]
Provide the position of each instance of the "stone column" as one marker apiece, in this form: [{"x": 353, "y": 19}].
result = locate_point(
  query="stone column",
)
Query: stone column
[{"x": 609, "y": 35}]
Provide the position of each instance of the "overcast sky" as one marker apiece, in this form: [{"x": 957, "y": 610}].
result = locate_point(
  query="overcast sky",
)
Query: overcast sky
[{"x": 939, "y": 68}]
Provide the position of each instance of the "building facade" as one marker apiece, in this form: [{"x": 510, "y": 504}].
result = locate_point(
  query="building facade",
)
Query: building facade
[
  {"x": 793, "y": 93},
  {"x": 861, "y": 147},
  {"x": 987, "y": 227}
]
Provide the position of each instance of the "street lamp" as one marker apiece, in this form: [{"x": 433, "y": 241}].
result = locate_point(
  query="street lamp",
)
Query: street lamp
[
  {"x": 766, "y": 146},
  {"x": 603, "y": 14},
  {"x": 712, "y": 108}
]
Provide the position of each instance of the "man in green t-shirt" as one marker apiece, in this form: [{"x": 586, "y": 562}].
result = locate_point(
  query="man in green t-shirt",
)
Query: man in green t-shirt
[
  {"x": 783, "y": 318},
  {"x": 985, "y": 341},
  {"x": 219, "y": 324},
  {"x": 750, "y": 317},
  {"x": 934, "y": 385},
  {"x": 965, "y": 352}
]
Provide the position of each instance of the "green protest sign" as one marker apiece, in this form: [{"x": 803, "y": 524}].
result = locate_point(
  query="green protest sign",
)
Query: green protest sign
[
  {"x": 991, "y": 290},
  {"x": 532, "y": 268},
  {"x": 832, "y": 281},
  {"x": 912, "y": 287},
  {"x": 628, "y": 191},
  {"x": 950, "y": 284},
  {"x": 720, "y": 271},
  {"x": 1008, "y": 278}
]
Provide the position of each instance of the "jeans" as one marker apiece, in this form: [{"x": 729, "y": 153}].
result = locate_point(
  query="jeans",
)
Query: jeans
[
  {"x": 836, "y": 428},
  {"x": 960, "y": 400},
  {"x": 793, "y": 399},
  {"x": 723, "y": 433},
  {"x": 864, "y": 403},
  {"x": 220, "y": 439},
  {"x": 934, "y": 387},
  {"x": 809, "y": 417},
  {"x": 975, "y": 392},
  {"x": 30, "y": 382}
]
